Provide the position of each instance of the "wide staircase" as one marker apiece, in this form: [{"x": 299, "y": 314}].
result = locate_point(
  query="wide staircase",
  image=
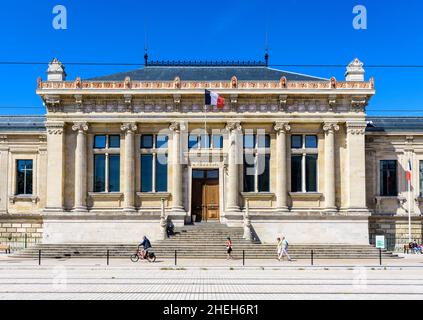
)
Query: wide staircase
[{"x": 203, "y": 241}]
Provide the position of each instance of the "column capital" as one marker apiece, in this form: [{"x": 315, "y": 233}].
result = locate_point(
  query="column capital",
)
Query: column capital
[
  {"x": 129, "y": 127},
  {"x": 81, "y": 127},
  {"x": 330, "y": 127},
  {"x": 55, "y": 128},
  {"x": 177, "y": 127},
  {"x": 356, "y": 128},
  {"x": 233, "y": 126},
  {"x": 282, "y": 127}
]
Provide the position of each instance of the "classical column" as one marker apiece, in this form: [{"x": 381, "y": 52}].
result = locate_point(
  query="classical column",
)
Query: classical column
[
  {"x": 330, "y": 183},
  {"x": 80, "y": 166},
  {"x": 55, "y": 166},
  {"x": 129, "y": 166},
  {"x": 177, "y": 169},
  {"x": 356, "y": 167},
  {"x": 234, "y": 160},
  {"x": 281, "y": 129}
]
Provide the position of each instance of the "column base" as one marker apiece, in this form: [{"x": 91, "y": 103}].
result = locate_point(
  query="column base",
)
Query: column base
[
  {"x": 129, "y": 210},
  {"x": 233, "y": 209},
  {"x": 282, "y": 209},
  {"x": 333, "y": 210},
  {"x": 80, "y": 209}
]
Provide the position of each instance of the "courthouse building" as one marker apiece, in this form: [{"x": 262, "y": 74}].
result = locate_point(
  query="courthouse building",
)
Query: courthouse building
[{"x": 289, "y": 154}]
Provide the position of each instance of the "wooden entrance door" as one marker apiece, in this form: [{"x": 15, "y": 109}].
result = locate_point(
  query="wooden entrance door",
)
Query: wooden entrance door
[
  {"x": 211, "y": 200},
  {"x": 205, "y": 195}
]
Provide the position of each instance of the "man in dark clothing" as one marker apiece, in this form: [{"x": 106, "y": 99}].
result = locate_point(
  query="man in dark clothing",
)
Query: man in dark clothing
[{"x": 146, "y": 244}]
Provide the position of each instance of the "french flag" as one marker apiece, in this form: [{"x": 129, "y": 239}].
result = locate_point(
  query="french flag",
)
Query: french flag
[
  {"x": 213, "y": 99},
  {"x": 408, "y": 172}
]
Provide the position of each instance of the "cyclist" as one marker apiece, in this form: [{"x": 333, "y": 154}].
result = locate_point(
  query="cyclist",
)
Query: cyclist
[{"x": 146, "y": 244}]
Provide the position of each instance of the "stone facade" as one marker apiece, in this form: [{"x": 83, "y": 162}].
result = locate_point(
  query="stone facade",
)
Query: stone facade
[{"x": 64, "y": 197}]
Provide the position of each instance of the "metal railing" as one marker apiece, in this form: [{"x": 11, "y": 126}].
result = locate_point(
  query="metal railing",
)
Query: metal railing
[{"x": 20, "y": 243}]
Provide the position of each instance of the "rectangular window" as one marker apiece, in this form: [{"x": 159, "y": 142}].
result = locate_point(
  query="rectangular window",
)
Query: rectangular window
[
  {"x": 297, "y": 142},
  {"x": 205, "y": 141},
  {"x": 249, "y": 177},
  {"x": 256, "y": 162},
  {"x": 147, "y": 173},
  {"x": 24, "y": 177},
  {"x": 114, "y": 173},
  {"x": 249, "y": 141},
  {"x": 311, "y": 142},
  {"x": 107, "y": 163},
  {"x": 100, "y": 142},
  {"x": 263, "y": 141},
  {"x": 217, "y": 141},
  {"x": 99, "y": 173},
  {"x": 114, "y": 141},
  {"x": 162, "y": 142},
  {"x": 304, "y": 163},
  {"x": 147, "y": 141},
  {"x": 154, "y": 163},
  {"x": 193, "y": 142},
  {"x": 161, "y": 173},
  {"x": 296, "y": 173},
  {"x": 264, "y": 174},
  {"x": 311, "y": 173},
  {"x": 388, "y": 178}
]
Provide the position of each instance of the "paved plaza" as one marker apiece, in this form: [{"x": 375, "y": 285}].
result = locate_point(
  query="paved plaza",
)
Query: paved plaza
[{"x": 210, "y": 280}]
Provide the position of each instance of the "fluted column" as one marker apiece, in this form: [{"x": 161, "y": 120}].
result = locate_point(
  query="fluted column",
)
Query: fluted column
[
  {"x": 55, "y": 165},
  {"x": 330, "y": 187},
  {"x": 177, "y": 169},
  {"x": 80, "y": 166},
  {"x": 234, "y": 160},
  {"x": 129, "y": 130},
  {"x": 281, "y": 129},
  {"x": 356, "y": 167}
]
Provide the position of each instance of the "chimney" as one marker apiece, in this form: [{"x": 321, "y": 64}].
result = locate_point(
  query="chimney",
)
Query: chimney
[
  {"x": 355, "y": 71},
  {"x": 56, "y": 71}
]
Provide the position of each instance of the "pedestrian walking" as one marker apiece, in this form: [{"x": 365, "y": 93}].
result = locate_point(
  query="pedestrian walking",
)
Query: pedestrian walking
[
  {"x": 229, "y": 248},
  {"x": 284, "y": 245}
]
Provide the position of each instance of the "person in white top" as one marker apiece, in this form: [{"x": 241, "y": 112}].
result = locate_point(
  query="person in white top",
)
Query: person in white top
[{"x": 283, "y": 246}]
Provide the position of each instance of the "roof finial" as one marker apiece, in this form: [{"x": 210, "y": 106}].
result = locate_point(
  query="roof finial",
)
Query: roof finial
[
  {"x": 146, "y": 58},
  {"x": 266, "y": 57}
]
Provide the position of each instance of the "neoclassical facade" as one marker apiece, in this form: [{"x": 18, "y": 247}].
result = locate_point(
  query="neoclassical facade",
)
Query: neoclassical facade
[{"x": 289, "y": 154}]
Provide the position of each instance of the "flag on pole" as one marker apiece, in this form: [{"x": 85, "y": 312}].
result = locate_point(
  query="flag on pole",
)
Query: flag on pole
[
  {"x": 408, "y": 172},
  {"x": 213, "y": 99}
]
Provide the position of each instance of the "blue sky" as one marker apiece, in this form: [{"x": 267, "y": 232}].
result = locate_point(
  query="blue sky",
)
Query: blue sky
[{"x": 299, "y": 32}]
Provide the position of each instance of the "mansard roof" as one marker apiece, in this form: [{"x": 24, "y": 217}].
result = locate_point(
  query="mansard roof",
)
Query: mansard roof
[
  {"x": 207, "y": 72},
  {"x": 22, "y": 123},
  {"x": 395, "y": 124}
]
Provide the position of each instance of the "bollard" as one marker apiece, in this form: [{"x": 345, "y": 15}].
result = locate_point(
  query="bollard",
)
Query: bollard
[
  {"x": 243, "y": 258},
  {"x": 108, "y": 256},
  {"x": 380, "y": 257},
  {"x": 176, "y": 258},
  {"x": 312, "y": 257},
  {"x": 26, "y": 241},
  {"x": 39, "y": 257}
]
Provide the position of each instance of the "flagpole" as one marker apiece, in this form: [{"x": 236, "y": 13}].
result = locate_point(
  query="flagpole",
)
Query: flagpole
[
  {"x": 409, "y": 212},
  {"x": 409, "y": 177}
]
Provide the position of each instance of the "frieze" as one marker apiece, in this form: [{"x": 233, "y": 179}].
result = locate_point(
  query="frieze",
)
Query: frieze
[{"x": 179, "y": 84}]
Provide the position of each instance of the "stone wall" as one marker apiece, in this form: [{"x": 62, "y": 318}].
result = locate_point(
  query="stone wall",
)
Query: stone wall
[
  {"x": 14, "y": 228},
  {"x": 395, "y": 229}
]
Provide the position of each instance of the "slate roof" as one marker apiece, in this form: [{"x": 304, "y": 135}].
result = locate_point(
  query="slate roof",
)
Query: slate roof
[
  {"x": 395, "y": 124},
  {"x": 22, "y": 123},
  {"x": 207, "y": 73}
]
